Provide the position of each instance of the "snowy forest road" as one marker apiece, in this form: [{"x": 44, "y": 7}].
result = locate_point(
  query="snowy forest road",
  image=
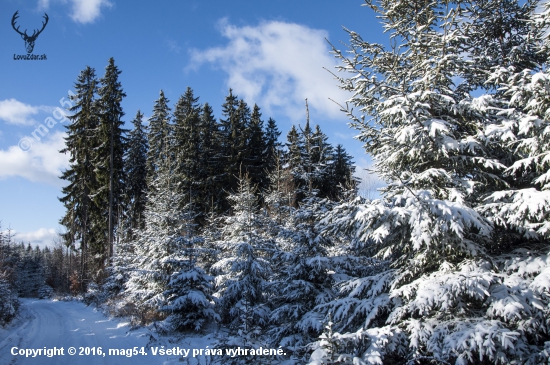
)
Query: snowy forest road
[{"x": 49, "y": 324}]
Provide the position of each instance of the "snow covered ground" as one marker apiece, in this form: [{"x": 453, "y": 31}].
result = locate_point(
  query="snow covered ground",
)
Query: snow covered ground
[{"x": 46, "y": 324}]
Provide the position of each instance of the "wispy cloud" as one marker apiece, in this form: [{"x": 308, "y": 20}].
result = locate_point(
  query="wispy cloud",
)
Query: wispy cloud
[
  {"x": 43, "y": 4},
  {"x": 82, "y": 11},
  {"x": 277, "y": 65},
  {"x": 13, "y": 111},
  {"x": 42, "y": 163},
  {"x": 173, "y": 45},
  {"x": 42, "y": 237}
]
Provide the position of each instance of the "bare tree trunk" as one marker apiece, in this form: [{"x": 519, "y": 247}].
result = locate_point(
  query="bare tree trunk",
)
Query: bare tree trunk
[{"x": 111, "y": 195}]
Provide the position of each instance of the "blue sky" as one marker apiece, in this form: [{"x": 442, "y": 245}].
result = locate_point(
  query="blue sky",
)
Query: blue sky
[{"x": 270, "y": 52}]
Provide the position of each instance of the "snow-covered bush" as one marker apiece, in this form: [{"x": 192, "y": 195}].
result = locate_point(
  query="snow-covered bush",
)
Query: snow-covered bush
[
  {"x": 94, "y": 295},
  {"x": 45, "y": 292}
]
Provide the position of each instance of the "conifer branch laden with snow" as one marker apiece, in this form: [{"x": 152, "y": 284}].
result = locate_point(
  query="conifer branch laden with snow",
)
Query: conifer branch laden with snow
[{"x": 463, "y": 221}]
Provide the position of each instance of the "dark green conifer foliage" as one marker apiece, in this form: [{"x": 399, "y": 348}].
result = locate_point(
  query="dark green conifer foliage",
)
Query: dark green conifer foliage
[
  {"x": 341, "y": 171},
  {"x": 159, "y": 134},
  {"x": 212, "y": 161},
  {"x": 238, "y": 144},
  {"x": 81, "y": 177},
  {"x": 225, "y": 144},
  {"x": 294, "y": 147},
  {"x": 254, "y": 163},
  {"x": 135, "y": 169},
  {"x": 294, "y": 157},
  {"x": 272, "y": 144},
  {"x": 187, "y": 147},
  {"x": 108, "y": 160},
  {"x": 322, "y": 160}
]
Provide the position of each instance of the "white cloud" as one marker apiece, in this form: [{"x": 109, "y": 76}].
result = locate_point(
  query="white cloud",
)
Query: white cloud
[
  {"x": 15, "y": 112},
  {"x": 41, "y": 163},
  {"x": 42, "y": 237},
  {"x": 277, "y": 65},
  {"x": 87, "y": 11},
  {"x": 43, "y": 4},
  {"x": 83, "y": 11}
]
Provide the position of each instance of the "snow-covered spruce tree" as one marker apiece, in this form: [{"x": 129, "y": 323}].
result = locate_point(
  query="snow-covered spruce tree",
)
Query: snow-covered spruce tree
[
  {"x": 523, "y": 210},
  {"x": 243, "y": 271},
  {"x": 9, "y": 303},
  {"x": 30, "y": 272},
  {"x": 118, "y": 273},
  {"x": 190, "y": 304},
  {"x": 303, "y": 279},
  {"x": 158, "y": 244},
  {"x": 448, "y": 295}
]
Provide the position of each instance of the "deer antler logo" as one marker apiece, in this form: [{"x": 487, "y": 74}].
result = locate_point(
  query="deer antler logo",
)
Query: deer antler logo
[{"x": 29, "y": 40}]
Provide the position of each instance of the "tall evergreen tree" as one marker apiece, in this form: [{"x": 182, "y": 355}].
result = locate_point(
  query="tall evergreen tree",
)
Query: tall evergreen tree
[
  {"x": 81, "y": 177},
  {"x": 310, "y": 159},
  {"x": 253, "y": 163},
  {"x": 233, "y": 139},
  {"x": 238, "y": 141},
  {"x": 272, "y": 144},
  {"x": 135, "y": 169},
  {"x": 293, "y": 158},
  {"x": 322, "y": 160},
  {"x": 211, "y": 161},
  {"x": 159, "y": 134},
  {"x": 305, "y": 173},
  {"x": 226, "y": 142},
  {"x": 109, "y": 156},
  {"x": 341, "y": 172},
  {"x": 187, "y": 146}
]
